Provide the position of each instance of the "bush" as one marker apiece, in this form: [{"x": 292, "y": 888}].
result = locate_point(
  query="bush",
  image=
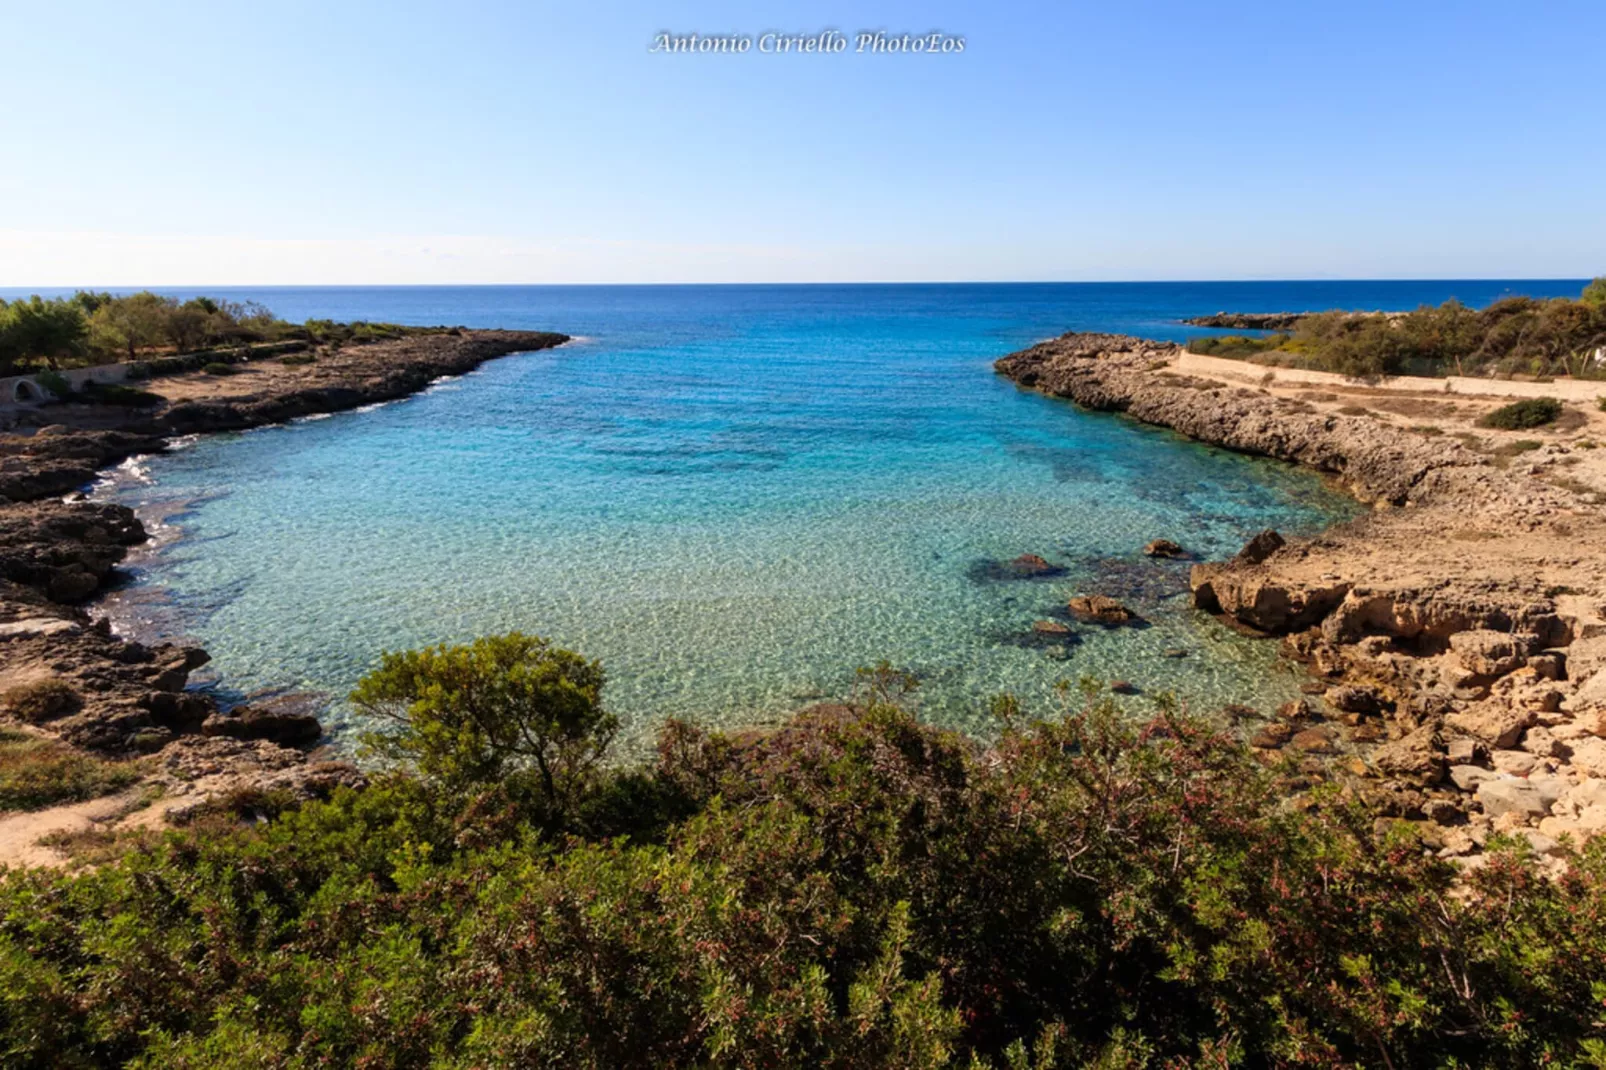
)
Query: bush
[
  {"x": 218, "y": 367},
  {"x": 40, "y": 701},
  {"x": 56, "y": 383},
  {"x": 294, "y": 360},
  {"x": 1521, "y": 415},
  {"x": 850, "y": 889},
  {"x": 1236, "y": 346},
  {"x": 117, "y": 394}
]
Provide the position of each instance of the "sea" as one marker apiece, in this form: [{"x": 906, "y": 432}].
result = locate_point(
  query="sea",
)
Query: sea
[{"x": 737, "y": 498}]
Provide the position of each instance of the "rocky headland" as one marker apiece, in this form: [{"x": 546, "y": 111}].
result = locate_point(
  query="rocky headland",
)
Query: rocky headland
[
  {"x": 64, "y": 672},
  {"x": 1455, "y": 636}
]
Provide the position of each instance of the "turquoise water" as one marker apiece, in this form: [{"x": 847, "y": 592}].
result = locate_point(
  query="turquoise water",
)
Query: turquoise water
[{"x": 733, "y": 496}]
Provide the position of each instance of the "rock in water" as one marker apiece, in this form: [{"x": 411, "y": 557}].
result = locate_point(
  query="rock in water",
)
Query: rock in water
[
  {"x": 1032, "y": 565},
  {"x": 1099, "y": 609},
  {"x": 1164, "y": 548}
]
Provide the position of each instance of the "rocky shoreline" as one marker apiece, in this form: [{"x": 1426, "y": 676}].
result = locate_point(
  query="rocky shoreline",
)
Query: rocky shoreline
[
  {"x": 119, "y": 698},
  {"x": 1455, "y": 635}
]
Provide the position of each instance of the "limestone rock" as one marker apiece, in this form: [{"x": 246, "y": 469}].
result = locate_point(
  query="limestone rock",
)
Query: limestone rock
[
  {"x": 1510, "y": 796},
  {"x": 1492, "y": 653},
  {"x": 1260, "y": 547},
  {"x": 1589, "y": 755},
  {"x": 1513, "y": 762},
  {"x": 1313, "y": 741},
  {"x": 1496, "y": 724},
  {"x": 1416, "y": 757},
  {"x": 1468, "y": 777}
]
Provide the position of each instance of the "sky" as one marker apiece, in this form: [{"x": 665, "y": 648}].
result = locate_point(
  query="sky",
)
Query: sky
[{"x": 516, "y": 141}]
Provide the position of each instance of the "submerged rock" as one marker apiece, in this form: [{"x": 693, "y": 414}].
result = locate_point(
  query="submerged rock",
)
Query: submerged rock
[
  {"x": 1024, "y": 567},
  {"x": 1164, "y": 548},
  {"x": 1099, "y": 609}
]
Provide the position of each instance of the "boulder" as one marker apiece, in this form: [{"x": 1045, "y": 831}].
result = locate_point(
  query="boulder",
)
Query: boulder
[
  {"x": 1511, "y": 796},
  {"x": 1164, "y": 548},
  {"x": 287, "y": 727},
  {"x": 1513, "y": 762},
  {"x": 1272, "y": 735},
  {"x": 1260, "y": 547},
  {"x": 1491, "y": 653},
  {"x": 1468, "y": 777},
  {"x": 1416, "y": 757},
  {"x": 1494, "y": 723},
  {"x": 1051, "y": 628},
  {"x": 1367, "y": 701},
  {"x": 1100, "y": 609},
  {"x": 1589, "y": 755},
  {"x": 1313, "y": 741},
  {"x": 1123, "y": 687},
  {"x": 1464, "y": 752},
  {"x": 1541, "y": 742}
]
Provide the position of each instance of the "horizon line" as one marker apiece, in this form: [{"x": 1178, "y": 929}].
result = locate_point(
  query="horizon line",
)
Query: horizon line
[{"x": 36, "y": 287}]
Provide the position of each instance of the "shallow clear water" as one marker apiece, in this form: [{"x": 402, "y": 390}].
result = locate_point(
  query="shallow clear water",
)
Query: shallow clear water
[{"x": 733, "y": 496}]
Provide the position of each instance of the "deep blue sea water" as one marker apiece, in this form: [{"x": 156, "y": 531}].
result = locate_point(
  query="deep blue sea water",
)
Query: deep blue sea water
[{"x": 734, "y": 496}]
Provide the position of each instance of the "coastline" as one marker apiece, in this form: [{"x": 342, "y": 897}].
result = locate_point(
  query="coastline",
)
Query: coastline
[
  {"x": 1456, "y": 632},
  {"x": 60, "y": 550}
]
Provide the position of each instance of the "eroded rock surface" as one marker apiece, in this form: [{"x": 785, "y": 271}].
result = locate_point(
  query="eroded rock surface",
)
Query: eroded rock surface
[{"x": 1461, "y": 624}]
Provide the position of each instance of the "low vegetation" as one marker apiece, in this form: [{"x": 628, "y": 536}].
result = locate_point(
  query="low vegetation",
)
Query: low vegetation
[
  {"x": 1513, "y": 336},
  {"x": 41, "y": 700},
  {"x": 1521, "y": 415},
  {"x": 36, "y": 772},
  {"x": 851, "y": 889},
  {"x": 91, "y": 328}
]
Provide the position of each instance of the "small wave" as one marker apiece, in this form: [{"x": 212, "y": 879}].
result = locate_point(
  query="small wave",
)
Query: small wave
[
  {"x": 372, "y": 406},
  {"x": 307, "y": 419}
]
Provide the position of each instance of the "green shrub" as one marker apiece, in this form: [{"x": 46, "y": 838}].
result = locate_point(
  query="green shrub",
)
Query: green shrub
[
  {"x": 1520, "y": 415},
  {"x": 218, "y": 367},
  {"x": 56, "y": 383},
  {"x": 850, "y": 889},
  {"x": 293, "y": 360},
  {"x": 41, "y": 700},
  {"x": 1236, "y": 346},
  {"x": 117, "y": 394}
]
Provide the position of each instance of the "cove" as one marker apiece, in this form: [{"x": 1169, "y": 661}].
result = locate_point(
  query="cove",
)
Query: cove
[{"x": 732, "y": 496}]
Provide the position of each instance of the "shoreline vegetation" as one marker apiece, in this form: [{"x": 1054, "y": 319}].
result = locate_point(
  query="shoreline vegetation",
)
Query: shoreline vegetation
[
  {"x": 41, "y": 335},
  {"x": 1515, "y": 336},
  {"x": 1397, "y": 871}
]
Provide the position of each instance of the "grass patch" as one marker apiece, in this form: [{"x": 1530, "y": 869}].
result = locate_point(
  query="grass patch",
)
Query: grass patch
[
  {"x": 1521, "y": 415},
  {"x": 296, "y": 360},
  {"x": 36, "y": 773},
  {"x": 1429, "y": 430},
  {"x": 42, "y": 700},
  {"x": 217, "y": 367}
]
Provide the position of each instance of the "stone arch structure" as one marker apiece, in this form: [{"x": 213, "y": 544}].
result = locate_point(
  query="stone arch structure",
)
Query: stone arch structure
[{"x": 26, "y": 392}]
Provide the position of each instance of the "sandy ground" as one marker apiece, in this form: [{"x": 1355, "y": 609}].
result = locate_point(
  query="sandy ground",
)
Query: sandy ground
[{"x": 1447, "y": 407}]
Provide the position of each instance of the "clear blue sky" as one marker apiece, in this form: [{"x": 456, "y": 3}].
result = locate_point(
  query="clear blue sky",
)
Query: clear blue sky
[{"x": 519, "y": 141}]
